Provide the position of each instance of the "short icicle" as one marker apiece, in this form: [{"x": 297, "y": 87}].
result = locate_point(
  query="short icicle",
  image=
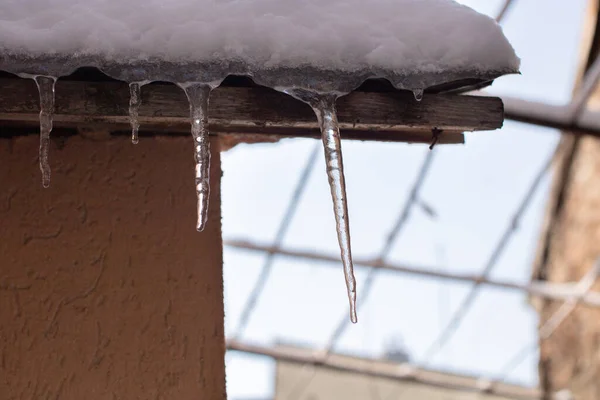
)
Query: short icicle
[
  {"x": 418, "y": 93},
  {"x": 197, "y": 94},
  {"x": 135, "y": 101},
  {"x": 324, "y": 107},
  {"x": 45, "y": 85}
]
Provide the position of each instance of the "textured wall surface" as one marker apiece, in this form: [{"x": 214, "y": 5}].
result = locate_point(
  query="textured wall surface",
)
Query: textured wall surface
[
  {"x": 106, "y": 289},
  {"x": 570, "y": 245},
  {"x": 570, "y": 358}
]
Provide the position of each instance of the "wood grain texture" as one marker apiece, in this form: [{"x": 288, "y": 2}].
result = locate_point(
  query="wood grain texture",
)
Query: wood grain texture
[{"x": 255, "y": 111}]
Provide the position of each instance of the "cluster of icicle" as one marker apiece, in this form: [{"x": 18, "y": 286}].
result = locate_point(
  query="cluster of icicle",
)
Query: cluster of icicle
[{"x": 198, "y": 93}]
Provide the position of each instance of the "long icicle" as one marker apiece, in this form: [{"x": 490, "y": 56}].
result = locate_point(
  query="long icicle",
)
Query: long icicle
[
  {"x": 198, "y": 94},
  {"x": 135, "y": 101},
  {"x": 45, "y": 85},
  {"x": 324, "y": 107}
]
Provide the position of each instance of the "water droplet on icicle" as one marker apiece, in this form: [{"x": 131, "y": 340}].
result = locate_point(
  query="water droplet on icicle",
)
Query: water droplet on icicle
[
  {"x": 418, "y": 93},
  {"x": 135, "y": 101},
  {"x": 198, "y": 94},
  {"x": 324, "y": 107},
  {"x": 45, "y": 85}
]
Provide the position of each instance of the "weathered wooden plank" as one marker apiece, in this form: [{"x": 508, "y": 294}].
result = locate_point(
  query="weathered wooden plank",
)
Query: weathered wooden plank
[{"x": 392, "y": 116}]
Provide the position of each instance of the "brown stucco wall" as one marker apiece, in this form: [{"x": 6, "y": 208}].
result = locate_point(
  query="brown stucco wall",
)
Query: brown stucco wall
[{"x": 106, "y": 289}]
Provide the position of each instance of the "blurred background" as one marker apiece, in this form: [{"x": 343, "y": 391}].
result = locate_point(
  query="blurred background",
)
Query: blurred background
[{"x": 459, "y": 210}]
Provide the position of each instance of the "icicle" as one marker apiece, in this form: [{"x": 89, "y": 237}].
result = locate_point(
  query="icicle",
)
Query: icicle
[
  {"x": 135, "y": 101},
  {"x": 418, "y": 93},
  {"x": 45, "y": 85},
  {"x": 324, "y": 107},
  {"x": 197, "y": 94}
]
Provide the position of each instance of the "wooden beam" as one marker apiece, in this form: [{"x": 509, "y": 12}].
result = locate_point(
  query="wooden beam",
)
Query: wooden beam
[
  {"x": 254, "y": 111},
  {"x": 552, "y": 116}
]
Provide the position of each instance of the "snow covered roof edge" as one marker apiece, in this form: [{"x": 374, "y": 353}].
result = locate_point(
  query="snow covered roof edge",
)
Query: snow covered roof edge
[{"x": 333, "y": 45}]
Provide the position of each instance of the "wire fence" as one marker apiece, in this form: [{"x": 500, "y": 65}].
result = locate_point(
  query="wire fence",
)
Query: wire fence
[
  {"x": 571, "y": 294},
  {"x": 265, "y": 271},
  {"x": 503, "y": 242}
]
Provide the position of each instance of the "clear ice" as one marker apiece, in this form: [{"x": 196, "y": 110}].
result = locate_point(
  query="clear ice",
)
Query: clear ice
[
  {"x": 418, "y": 93},
  {"x": 198, "y": 94},
  {"x": 324, "y": 106},
  {"x": 135, "y": 101},
  {"x": 45, "y": 85}
]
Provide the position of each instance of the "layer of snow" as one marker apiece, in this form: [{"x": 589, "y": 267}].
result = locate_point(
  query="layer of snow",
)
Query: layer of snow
[{"x": 399, "y": 36}]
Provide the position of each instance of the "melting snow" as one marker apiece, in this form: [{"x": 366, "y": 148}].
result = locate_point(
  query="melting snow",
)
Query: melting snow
[
  {"x": 380, "y": 36},
  {"x": 314, "y": 50}
]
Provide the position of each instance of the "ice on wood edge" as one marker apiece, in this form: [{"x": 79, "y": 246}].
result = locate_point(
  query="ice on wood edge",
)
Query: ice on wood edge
[{"x": 313, "y": 50}]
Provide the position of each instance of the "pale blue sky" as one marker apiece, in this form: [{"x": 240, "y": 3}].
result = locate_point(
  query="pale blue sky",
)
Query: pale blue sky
[{"x": 475, "y": 189}]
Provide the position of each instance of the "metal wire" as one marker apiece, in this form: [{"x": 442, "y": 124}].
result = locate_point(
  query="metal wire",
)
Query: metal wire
[
  {"x": 554, "y": 322},
  {"x": 411, "y": 373},
  {"x": 574, "y": 111},
  {"x": 382, "y": 369},
  {"x": 502, "y": 13},
  {"x": 455, "y": 321},
  {"x": 543, "y": 289},
  {"x": 284, "y": 225},
  {"x": 412, "y": 199},
  {"x": 581, "y": 97}
]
